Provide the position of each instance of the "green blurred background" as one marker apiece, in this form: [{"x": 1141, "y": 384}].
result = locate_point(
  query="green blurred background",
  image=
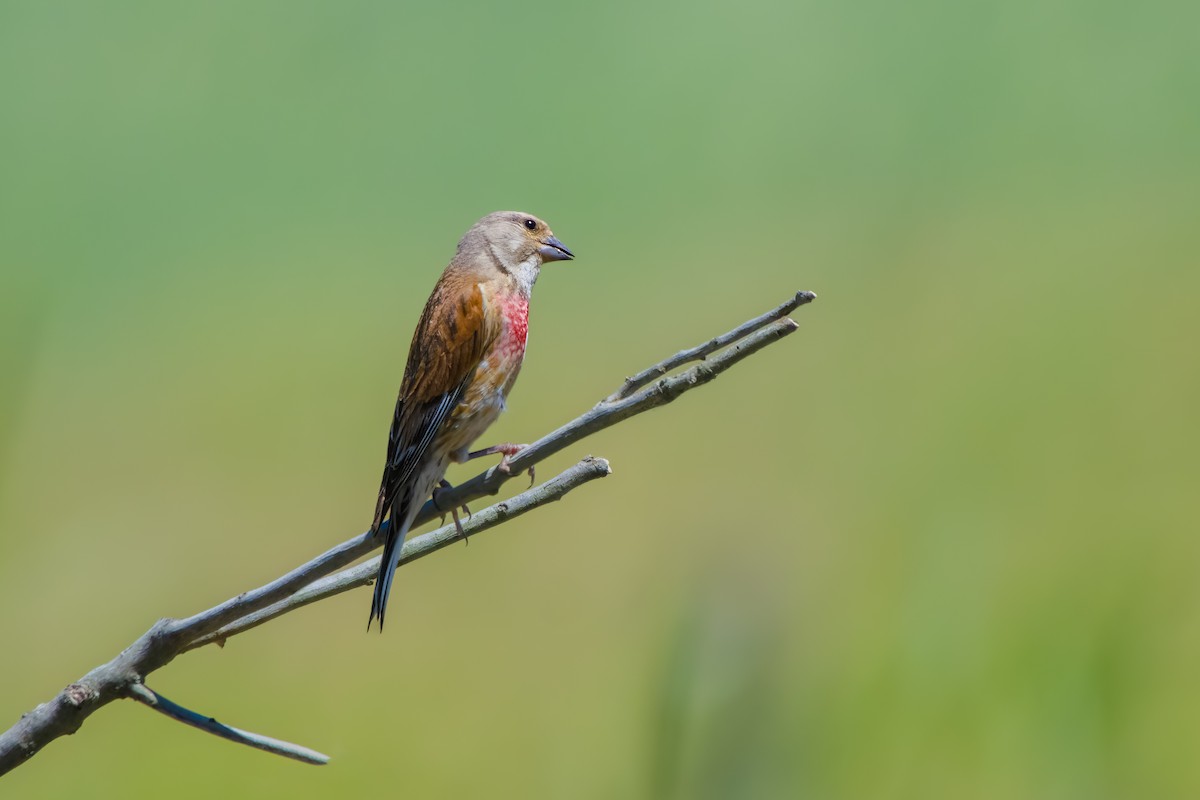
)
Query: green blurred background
[{"x": 939, "y": 543}]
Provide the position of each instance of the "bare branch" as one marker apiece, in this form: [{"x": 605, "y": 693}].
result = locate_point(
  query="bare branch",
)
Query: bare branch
[
  {"x": 315, "y": 580},
  {"x": 144, "y": 694},
  {"x": 748, "y": 338}
]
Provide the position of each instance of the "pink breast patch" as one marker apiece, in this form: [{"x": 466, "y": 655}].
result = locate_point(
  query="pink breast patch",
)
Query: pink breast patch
[{"x": 516, "y": 327}]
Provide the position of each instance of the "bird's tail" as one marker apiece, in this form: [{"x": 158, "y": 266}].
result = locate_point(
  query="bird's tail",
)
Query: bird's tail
[{"x": 397, "y": 528}]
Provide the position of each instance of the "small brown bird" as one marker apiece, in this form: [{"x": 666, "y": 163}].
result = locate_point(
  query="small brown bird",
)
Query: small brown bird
[{"x": 462, "y": 363}]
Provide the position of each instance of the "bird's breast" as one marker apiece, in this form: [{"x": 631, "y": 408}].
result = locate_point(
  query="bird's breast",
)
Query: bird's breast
[
  {"x": 485, "y": 396},
  {"x": 499, "y": 368},
  {"x": 511, "y": 342}
]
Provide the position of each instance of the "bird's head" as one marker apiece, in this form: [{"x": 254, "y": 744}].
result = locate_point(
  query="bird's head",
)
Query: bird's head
[{"x": 514, "y": 239}]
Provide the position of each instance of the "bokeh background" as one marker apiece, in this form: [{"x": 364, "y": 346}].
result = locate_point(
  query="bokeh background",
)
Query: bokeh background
[{"x": 939, "y": 543}]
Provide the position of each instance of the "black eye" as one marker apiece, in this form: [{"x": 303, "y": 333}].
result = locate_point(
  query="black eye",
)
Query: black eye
[{"x": 530, "y": 224}]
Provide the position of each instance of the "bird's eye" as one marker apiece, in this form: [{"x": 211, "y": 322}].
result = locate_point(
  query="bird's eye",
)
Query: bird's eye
[{"x": 530, "y": 224}]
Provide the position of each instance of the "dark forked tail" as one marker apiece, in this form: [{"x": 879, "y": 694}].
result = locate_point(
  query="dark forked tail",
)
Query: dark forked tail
[{"x": 397, "y": 528}]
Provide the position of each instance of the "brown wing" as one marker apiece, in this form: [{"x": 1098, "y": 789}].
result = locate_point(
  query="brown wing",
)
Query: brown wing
[{"x": 451, "y": 339}]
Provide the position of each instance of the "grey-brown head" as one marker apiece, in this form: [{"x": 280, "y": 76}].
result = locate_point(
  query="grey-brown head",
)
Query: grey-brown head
[{"x": 514, "y": 240}]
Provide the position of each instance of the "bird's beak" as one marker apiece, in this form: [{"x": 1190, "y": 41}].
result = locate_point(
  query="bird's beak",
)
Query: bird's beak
[{"x": 554, "y": 250}]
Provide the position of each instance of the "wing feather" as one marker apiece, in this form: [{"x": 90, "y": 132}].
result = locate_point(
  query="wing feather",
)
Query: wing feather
[{"x": 454, "y": 334}]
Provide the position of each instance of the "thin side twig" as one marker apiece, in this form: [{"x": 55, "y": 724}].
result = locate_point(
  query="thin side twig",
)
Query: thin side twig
[{"x": 144, "y": 694}]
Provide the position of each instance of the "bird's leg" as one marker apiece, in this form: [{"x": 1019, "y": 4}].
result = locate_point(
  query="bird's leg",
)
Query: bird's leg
[
  {"x": 445, "y": 484},
  {"x": 508, "y": 449}
]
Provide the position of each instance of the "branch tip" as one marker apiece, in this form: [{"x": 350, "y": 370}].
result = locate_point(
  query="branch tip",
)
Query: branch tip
[{"x": 701, "y": 352}]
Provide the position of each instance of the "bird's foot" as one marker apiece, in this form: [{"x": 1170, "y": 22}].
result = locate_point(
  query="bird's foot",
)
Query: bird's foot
[
  {"x": 508, "y": 450},
  {"x": 453, "y": 512}
]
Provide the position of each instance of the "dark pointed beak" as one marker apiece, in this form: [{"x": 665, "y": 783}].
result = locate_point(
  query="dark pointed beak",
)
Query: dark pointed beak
[{"x": 554, "y": 250}]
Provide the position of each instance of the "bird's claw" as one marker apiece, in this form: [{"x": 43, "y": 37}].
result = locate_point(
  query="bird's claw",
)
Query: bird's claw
[
  {"x": 507, "y": 450},
  {"x": 510, "y": 450},
  {"x": 445, "y": 484}
]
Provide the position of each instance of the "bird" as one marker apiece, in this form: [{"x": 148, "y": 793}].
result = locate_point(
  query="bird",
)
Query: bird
[{"x": 465, "y": 356}]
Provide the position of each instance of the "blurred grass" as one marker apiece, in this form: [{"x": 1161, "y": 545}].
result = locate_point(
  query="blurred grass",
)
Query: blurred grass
[{"x": 941, "y": 543}]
